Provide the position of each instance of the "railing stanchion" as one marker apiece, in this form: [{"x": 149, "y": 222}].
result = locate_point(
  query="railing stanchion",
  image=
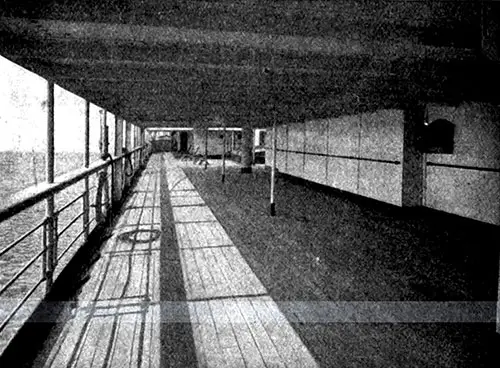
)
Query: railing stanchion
[
  {"x": 86, "y": 195},
  {"x": 273, "y": 170},
  {"x": 50, "y": 207}
]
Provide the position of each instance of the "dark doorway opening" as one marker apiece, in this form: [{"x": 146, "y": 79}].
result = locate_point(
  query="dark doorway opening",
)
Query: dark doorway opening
[{"x": 183, "y": 138}]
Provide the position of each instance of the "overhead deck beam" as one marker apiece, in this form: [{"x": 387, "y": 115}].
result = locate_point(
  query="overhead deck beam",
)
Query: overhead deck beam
[{"x": 151, "y": 62}]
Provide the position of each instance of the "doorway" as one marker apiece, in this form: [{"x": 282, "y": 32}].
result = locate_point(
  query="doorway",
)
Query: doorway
[{"x": 183, "y": 144}]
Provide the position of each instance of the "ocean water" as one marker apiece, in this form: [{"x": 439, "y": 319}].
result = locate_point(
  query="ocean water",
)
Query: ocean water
[{"x": 18, "y": 171}]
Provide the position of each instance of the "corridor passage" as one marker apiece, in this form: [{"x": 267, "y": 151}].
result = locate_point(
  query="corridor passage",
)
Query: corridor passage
[
  {"x": 195, "y": 273},
  {"x": 120, "y": 318}
]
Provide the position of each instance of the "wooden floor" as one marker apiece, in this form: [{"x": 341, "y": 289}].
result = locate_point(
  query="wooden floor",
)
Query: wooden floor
[
  {"x": 116, "y": 321},
  {"x": 235, "y": 322}
]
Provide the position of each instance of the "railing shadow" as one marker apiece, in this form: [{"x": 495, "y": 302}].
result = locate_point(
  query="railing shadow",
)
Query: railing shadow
[{"x": 107, "y": 287}]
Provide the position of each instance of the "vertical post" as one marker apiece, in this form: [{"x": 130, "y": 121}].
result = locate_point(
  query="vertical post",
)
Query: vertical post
[
  {"x": 247, "y": 142},
  {"x": 86, "y": 195},
  {"x": 273, "y": 171},
  {"x": 128, "y": 145},
  {"x": 413, "y": 178},
  {"x": 206, "y": 148},
  {"x": 104, "y": 133},
  {"x": 102, "y": 186},
  {"x": 253, "y": 146},
  {"x": 118, "y": 166},
  {"x": 224, "y": 153},
  {"x": 51, "y": 230},
  {"x": 128, "y": 141},
  {"x": 141, "y": 143}
]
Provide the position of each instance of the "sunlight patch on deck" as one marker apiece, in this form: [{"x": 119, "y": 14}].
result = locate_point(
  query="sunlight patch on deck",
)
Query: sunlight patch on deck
[
  {"x": 235, "y": 322},
  {"x": 116, "y": 320}
]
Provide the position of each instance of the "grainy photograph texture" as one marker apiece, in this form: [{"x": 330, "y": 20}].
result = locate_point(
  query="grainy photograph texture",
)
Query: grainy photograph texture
[{"x": 234, "y": 183}]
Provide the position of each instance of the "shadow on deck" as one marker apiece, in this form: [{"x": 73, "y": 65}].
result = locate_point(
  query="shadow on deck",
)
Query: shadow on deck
[{"x": 196, "y": 273}]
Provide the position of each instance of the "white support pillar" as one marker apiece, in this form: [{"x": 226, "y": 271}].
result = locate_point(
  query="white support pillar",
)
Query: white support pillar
[
  {"x": 128, "y": 139},
  {"x": 206, "y": 148},
  {"x": 104, "y": 133},
  {"x": 273, "y": 172},
  {"x": 86, "y": 195},
  {"x": 118, "y": 169},
  {"x": 51, "y": 227},
  {"x": 224, "y": 153}
]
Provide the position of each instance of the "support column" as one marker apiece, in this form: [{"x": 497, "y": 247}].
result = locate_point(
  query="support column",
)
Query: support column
[
  {"x": 102, "y": 195},
  {"x": 51, "y": 227},
  {"x": 86, "y": 195},
  {"x": 246, "y": 149},
  {"x": 413, "y": 158},
  {"x": 206, "y": 148},
  {"x": 224, "y": 153},
  {"x": 273, "y": 171},
  {"x": 118, "y": 170},
  {"x": 128, "y": 139},
  {"x": 104, "y": 134}
]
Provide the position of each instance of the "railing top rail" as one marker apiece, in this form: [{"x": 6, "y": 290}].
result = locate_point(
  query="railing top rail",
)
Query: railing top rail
[{"x": 33, "y": 195}]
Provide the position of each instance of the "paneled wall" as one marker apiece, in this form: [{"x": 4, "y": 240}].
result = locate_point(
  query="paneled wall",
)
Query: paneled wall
[
  {"x": 360, "y": 154},
  {"x": 467, "y": 182},
  {"x": 363, "y": 154}
]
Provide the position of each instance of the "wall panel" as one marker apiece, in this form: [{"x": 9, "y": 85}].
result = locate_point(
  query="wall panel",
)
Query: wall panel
[
  {"x": 295, "y": 164},
  {"x": 315, "y": 169},
  {"x": 343, "y": 174},
  {"x": 296, "y": 137},
  {"x": 467, "y": 182},
  {"x": 469, "y": 193},
  {"x": 281, "y": 161},
  {"x": 381, "y": 181},
  {"x": 343, "y": 136},
  {"x": 382, "y": 135},
  {"x": 315, "y": 136}
]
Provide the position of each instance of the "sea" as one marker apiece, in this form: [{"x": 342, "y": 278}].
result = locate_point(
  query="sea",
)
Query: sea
[{"x": 19, "y": 171}]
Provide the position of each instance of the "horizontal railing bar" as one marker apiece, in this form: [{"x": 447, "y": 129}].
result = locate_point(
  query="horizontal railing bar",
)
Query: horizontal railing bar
[
  {"x": 19, "y": 305},
  {"x": 70, "y": 245},
  {"x": 20, "y": 239},
  {"x": 67, "y": 205},
  {"x": 33, "y": 195},
  {"x": 21, "y": 271},
  {"x": 75, "y": 219}
]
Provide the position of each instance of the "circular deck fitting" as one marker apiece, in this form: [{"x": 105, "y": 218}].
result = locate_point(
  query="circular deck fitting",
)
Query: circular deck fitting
[{"x": 140, "y": 236}]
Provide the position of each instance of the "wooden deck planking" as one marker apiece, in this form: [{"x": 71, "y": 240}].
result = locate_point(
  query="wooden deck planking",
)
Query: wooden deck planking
[
  {"x": 211, "y": 346},
  {"x": 266, "y": 346},
  {"x": 116, "y": 320},
  {"x": 197, "y": 335},
  {"x": 193, "y": 200},
  {"x": 222, "y": 293},
  {"x": 248, "y": 348},
  {"x": 116, "y": 323},
  {"x": 193, "y": 214}
]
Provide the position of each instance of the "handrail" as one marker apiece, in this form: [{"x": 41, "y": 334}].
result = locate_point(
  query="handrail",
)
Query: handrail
[
  {"x": 69, "y": 204},
  {"x": 48, "y": 254},
  {"x": 31, "y": 196},
  {"x": 22, "y": 237}
]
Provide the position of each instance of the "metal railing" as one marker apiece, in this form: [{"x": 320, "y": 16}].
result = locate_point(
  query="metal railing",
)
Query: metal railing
[{"x": 49, "y": 231}]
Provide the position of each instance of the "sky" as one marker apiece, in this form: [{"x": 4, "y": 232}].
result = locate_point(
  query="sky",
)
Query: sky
[{"x": 23, "y": 114}]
